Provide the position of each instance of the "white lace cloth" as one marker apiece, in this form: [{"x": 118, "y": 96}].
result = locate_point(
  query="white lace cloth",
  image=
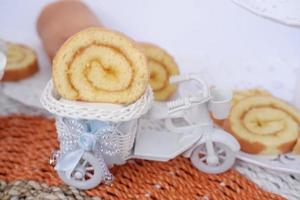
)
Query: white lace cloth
[
  {"x": 283, "y": 11},
  {"x": 287, "y": 185}
]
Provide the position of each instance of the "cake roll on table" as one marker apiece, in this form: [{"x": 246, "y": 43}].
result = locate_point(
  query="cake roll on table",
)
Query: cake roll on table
[
  {"x": 262, "y": 123},
  {"x": 21, "y": 62}
]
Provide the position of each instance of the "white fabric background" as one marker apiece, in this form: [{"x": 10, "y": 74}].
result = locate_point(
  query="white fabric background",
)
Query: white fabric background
[
  {"x": 186, "y": 28},
  {"x": 225, "y": 43}
]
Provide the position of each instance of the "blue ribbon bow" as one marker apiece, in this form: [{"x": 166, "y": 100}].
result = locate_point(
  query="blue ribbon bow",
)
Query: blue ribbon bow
[{"x": 85, "y": 136}]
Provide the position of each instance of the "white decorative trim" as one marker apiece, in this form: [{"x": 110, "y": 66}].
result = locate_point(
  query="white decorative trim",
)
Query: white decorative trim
[
  {"x": 95, "y": 111},
  {"x": 288, "y": 163},
  {"x": 282, "y": 11},
  {"x": 284, "y": 184}
]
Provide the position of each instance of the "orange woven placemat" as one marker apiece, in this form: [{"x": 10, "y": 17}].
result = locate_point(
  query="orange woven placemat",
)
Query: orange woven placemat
[{"x": 27, "y": 142}]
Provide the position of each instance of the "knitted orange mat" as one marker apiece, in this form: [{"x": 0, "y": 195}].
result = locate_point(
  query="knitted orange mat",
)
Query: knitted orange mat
[{"x": 26, "y": 144}]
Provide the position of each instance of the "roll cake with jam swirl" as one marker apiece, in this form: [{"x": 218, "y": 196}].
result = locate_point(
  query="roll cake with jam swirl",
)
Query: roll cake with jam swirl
[
  {"x": 21, "y": 62},
  {"x": 99, "y": 65},
  {"x": 161, "y": 66},
  {"x": 263, "y": 124}
]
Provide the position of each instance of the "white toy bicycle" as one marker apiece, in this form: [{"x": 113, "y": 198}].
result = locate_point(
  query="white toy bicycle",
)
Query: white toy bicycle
[
  {"x": 93, "y": 137},
  {"x": 184, "y": 126}
]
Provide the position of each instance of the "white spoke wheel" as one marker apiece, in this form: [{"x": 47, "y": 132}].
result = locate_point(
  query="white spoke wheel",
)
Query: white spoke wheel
[
  {"x": 86, "y": 175},
  {"x": 225, "y": 156}
]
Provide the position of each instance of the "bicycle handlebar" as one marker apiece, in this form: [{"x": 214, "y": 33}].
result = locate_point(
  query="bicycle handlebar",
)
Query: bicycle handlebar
[
  {"x": 190, "y": 77},
  {"x": 186, "y": 102}
]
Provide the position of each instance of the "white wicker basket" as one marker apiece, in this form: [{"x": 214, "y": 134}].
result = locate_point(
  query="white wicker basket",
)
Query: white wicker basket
[
  {"x": 125, "y": 116},
  {"x": 95, "y": 111}
]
